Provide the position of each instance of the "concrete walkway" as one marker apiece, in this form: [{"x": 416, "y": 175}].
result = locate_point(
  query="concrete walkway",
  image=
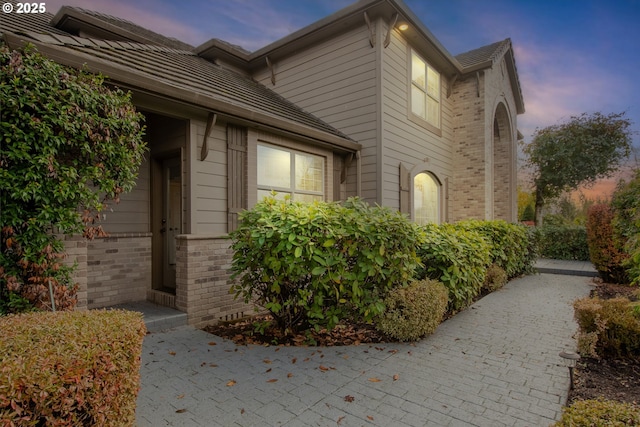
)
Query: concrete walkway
[{"x": 495, "y": 364}]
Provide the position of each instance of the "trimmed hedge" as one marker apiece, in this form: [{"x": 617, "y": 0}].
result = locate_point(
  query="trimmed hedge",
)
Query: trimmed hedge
[
  {"x": 608, "y": 327},
  {"x": 605, "y": 251},
  {"x": 508, "y": 243},
  {"x": 564, "y": 242},
  {"x": 313, "y": 264},
  {"x": 457, "y": 257},
  {"x": 70, "y": 368},
  {"x": 599, "y": 412},
  {"x": 413, "y": 311}
]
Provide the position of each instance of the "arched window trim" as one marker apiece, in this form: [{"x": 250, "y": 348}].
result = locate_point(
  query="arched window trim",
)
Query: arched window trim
[{"x": 440, "y": 195}]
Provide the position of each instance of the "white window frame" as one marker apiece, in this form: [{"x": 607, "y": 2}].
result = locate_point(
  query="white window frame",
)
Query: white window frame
[{"x": 433, "y": 96}]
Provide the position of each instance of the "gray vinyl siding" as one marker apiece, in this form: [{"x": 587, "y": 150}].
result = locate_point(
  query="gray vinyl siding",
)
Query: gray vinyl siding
[
  {"x": 131, "y": 215},
  {"x": 405, "y": 141},
  {"x": 337, "y": 82},
  {"x": 209, "y": 180}
]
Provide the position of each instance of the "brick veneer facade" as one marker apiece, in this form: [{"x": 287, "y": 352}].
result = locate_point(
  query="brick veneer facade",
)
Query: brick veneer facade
[
  {"x": 118, "y": 269},
  {"x": 203, "y": 280},
  {"x": 76, "y": 254}
]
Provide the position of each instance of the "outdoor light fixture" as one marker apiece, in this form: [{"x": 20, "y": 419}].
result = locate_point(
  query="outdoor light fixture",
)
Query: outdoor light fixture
[
  {"x": 403, "y": 26},
  {"x": 570, "y": 359}
]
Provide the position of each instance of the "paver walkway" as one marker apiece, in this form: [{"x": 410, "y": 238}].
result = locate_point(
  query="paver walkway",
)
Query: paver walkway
[{"x": 495, "y": 364}]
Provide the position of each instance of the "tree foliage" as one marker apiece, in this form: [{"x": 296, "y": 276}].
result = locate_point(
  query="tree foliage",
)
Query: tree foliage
[
  {"x": 581, "y": 151},
  {"x": 69, "y": 146}
]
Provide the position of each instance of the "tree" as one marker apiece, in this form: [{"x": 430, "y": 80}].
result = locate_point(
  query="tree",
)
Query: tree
[
  {"x": 69, "y": 145},
  {"x": 579, "y": 152}
]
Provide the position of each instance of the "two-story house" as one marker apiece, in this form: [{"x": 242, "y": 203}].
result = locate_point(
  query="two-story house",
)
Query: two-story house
[{"x": 364, "y": 102}]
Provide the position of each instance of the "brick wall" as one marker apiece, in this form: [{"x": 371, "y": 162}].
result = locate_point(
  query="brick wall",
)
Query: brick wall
[
  {"x": 118, "y": 269},
  {"x": 203, "y": 280},
  {"x": 467, "y": 194},
  {"x": 76, "y": 249}
]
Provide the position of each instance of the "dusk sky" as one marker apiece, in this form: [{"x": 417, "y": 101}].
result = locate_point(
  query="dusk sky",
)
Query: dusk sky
[{"x": 572, "y": 56}]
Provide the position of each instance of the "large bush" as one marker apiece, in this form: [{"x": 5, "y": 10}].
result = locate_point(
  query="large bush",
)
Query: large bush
[
  {"x": 413, "y": 311},
  {"x": 605, "y": 250},
  {"x": 608, "y": 327},
  {"x": 458, "y": 258},
  {"x": 508, "y": 243},
  {"x": 564, "y": 242},
  {"x": 68, "y": 146},
  {"x": 70, "y": 368},
  {"x": 626, "y": 222},
  {"x": 599, "y": 413},
  {"x": 313, "y": 264}
]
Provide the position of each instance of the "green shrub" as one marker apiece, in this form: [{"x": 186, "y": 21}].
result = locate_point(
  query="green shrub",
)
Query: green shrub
[
  {"x": 413, "y": 311},
  {"x": 508, "y": 243},
  {"x": 313, "y": 264},
  {"x": 607, "y": 327},
  {"x": 626, "y": 223},
  {"x": 496, "y": 278},
  {"x": 605, "y": 251},
  {"x": 599, "y": 413},
  {"x": 564, "y": 242},
  {"x": 70, "y": 368},
  {"x": 532, "y": 251},
  {"x": 458, "y": 258}
]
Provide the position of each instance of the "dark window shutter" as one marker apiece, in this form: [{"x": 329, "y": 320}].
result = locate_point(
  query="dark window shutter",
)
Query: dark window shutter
[
  {"x": 236, "y": 174},
  {"x": 405, "y": 190}
]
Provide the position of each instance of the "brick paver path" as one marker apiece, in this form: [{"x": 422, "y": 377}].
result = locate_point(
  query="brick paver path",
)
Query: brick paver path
[{"x": 495, "y": 364}]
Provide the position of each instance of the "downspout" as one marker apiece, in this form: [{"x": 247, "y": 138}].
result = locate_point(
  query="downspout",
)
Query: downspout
[{"x": 358, "y": 174}]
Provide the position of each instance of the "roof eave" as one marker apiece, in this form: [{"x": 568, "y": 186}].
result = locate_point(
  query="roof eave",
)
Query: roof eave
[{"x": 117, "y": 74}]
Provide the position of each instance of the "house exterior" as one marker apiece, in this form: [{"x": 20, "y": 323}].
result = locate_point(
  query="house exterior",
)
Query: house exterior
[{"x": 354, "y": 104}]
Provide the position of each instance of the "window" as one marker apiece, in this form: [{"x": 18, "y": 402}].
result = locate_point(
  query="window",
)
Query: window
[
  {"x": 425, "y": 91},
  {"x": 298, "y": 174},
  {"x": 426, "y": 199}
]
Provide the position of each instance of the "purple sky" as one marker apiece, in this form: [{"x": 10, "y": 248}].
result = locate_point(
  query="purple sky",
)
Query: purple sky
[{"x": 572, "y": 56}]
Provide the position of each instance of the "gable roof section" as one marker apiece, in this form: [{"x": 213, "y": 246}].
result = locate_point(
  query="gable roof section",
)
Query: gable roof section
[
  {"x": 182, "y": 76},
  {"x": 79, "y": 21},
  {"x": 351, "y": 16},
  {"x": 486, "y": 57}
]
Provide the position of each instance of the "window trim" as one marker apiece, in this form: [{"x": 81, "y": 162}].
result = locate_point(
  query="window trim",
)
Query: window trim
[
  {"x": 411, "y": 115},
  {"x": 441, "y": 189},
  {"x": 292, "y": 190}
]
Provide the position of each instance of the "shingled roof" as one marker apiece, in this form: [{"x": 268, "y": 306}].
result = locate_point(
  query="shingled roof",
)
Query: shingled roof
[
  {"x": 70, "y": 19},
  {"x": 174, "y": 73},
  {"x": 486, "y": 56},
  {"x": 483, "y": 55}
]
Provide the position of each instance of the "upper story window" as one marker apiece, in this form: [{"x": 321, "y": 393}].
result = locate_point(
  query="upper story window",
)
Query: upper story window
[
  {"x": 425, "y": 91},
  {"x": 285, "y": 171}
]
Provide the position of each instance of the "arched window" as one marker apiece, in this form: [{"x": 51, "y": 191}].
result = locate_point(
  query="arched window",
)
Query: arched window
[{"x": 426, "y": 199}]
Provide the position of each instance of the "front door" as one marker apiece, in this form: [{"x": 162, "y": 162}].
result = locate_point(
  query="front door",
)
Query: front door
[{"x": 171, "y": 219}]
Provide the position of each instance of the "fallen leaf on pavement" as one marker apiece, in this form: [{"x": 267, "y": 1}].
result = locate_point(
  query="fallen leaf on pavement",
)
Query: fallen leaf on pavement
[
  {"x": 396, "y": 377},
  {"x": 181, "y": 411},
  {"x": 231, "y": 383},
  {"x": 340, "y": 420},
  {"x": 349, "y": 398},
  {"x": 173, "y": 353},
  {"x": 213, "y": 343},
  {"x": 375, "y": 380},
  {"x": 369, "y": 417},
  {"x": 180, "y": 397},
  {"x": 289, "y": 375},
  {"x": 273, "y": 380}
]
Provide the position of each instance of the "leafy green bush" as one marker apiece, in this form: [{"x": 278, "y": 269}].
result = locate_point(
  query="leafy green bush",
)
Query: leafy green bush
[
  {"x": 605, "y": 250},
  {"x": 70, "y": 368},
  {"x": 69, "y": 144},
  {"x": 599, "y": 413},
  {"x": 608, "y": 327},
  {"x": 626, "y": 222},
  {"x": 496, "y": 278},
  {"x": 458, "y": 258},
  {"x": 413, "y": 311},
  {"x": 508, "y": 243},
  {"x": 564, "y": 242},
  {"x": 313, "y": 264}
]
